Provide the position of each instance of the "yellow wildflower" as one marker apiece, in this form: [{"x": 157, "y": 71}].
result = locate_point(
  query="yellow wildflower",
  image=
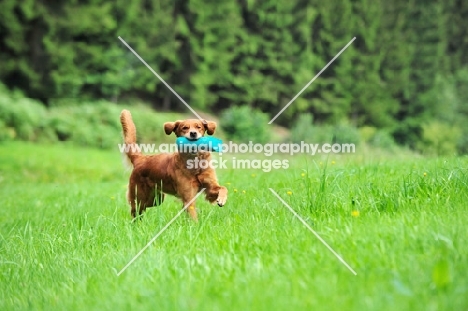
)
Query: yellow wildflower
[{"x": 355, "y": 213}]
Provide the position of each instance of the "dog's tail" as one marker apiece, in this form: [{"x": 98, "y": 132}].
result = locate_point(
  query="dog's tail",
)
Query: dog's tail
[{"x": 131, "y": 149}]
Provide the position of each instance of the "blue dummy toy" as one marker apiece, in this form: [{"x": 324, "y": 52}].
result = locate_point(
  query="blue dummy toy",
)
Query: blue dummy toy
[{"x": 202, "y": 144}]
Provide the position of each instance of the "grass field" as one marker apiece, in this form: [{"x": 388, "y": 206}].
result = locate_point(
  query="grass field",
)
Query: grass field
[{"x": 399, "y": 221}]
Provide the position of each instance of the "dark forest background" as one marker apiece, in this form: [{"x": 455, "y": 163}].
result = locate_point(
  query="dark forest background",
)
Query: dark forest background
[{"x": 406, "y": 74}]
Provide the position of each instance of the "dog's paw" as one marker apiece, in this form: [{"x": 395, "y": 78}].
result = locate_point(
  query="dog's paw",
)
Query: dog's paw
[
  {"x": 222, "y": 197},
  {"x": 221, "y": 201}
]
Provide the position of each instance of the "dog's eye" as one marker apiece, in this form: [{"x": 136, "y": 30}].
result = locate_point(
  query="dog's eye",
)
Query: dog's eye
[
  {"x": 185, "y": 128},
  {"x": 198, "y": 127}
]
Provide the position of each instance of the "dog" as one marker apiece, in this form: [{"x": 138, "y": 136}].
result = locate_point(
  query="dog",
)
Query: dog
[{"x": 153, "y": 176}]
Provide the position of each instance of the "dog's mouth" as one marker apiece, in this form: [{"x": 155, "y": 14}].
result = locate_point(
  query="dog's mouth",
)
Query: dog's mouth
[
  {"x": 193, "y": 137},
  {"x": 192, "y": 150}
]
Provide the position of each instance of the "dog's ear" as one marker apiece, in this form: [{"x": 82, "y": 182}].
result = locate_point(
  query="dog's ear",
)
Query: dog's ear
[
  {"x": 210, "y": 127},
  {"x": 170, "y": 127}
]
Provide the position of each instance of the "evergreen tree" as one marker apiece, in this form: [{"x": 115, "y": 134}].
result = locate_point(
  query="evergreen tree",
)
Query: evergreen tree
[
  {"x": 213, "y": 42},
  {"x": 406, "y": 69},
  {"x": 425, "y": 36},
  {"x": 23, "y": 60},
  {"x": 372, "y": 102}
]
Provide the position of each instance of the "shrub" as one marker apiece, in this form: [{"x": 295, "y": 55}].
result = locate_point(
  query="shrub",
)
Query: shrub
[
  {"x": 94, "y": 124},
  {"x": 439, "y": 139},
  {"x": 90, "y": 124},
  {"x": 302, "y": 129},
  {"x": 367, "y": 133},
  {"x": 6, "y": 133},
  {"x": 346, "y": 134},
  {"x": 149, "y": 125},
  {"x": 24, "y": 118},
  {"x": 98, "y": 124},
  {"x": 382, "y": 139},
  {"x": 242, "y": 123}
]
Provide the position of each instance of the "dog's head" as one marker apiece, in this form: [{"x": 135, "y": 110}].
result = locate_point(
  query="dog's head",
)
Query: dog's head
[{"x": 191, "y": 129}]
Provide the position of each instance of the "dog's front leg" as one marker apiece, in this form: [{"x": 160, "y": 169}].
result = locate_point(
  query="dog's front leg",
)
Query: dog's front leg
[
  {"x": 214, "y": 192},
  {"x": 222, "y": 195},
  {"x": 187, "y": 193}
]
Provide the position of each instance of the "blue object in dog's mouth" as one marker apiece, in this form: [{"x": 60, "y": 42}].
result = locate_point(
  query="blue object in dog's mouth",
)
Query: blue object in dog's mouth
[{"x": 186, "y": 145}]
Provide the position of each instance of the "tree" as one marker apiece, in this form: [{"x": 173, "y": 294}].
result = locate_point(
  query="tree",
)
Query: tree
[{"x": 22, "y": 56}]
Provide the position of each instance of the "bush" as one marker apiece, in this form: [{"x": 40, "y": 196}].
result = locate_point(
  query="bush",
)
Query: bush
[
  {"x": 451, "y": 96},
  {"x": 439, "y": 139},
  {"x": 6, "y": 133},
  {"x": 367, "y": 133},
  {"x": 340, "y": 134},
  {"x": 23, "y": 118},
  {"x": 346, "y": 134},
  {"x": 90, "y": 124},
  {"x": 149, "y": 125},
  {"x": 94, "y": 124},
  {"x": 382, "y": 139},
  {"x": 242, "y": 123},
  {"x": 302, "y": 129}
]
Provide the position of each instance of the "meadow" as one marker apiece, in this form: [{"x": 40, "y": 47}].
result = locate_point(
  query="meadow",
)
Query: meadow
[{"x": 399, "y": 220}]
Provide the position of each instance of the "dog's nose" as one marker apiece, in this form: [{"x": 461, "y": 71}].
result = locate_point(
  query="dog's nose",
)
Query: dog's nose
[{"x": 193, "y": 134}]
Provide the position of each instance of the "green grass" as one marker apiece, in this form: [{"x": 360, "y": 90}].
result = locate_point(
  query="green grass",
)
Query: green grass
[{"x": 65, "y": 231}]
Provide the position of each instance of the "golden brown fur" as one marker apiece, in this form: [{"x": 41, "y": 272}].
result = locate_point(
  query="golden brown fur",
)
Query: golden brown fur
[{"x": 155, "y": 175}]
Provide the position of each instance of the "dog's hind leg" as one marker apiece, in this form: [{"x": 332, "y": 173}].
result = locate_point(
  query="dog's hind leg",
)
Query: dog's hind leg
[
  {"x": 131, "y": 198},
  {"x": 141, "y": 198}
]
